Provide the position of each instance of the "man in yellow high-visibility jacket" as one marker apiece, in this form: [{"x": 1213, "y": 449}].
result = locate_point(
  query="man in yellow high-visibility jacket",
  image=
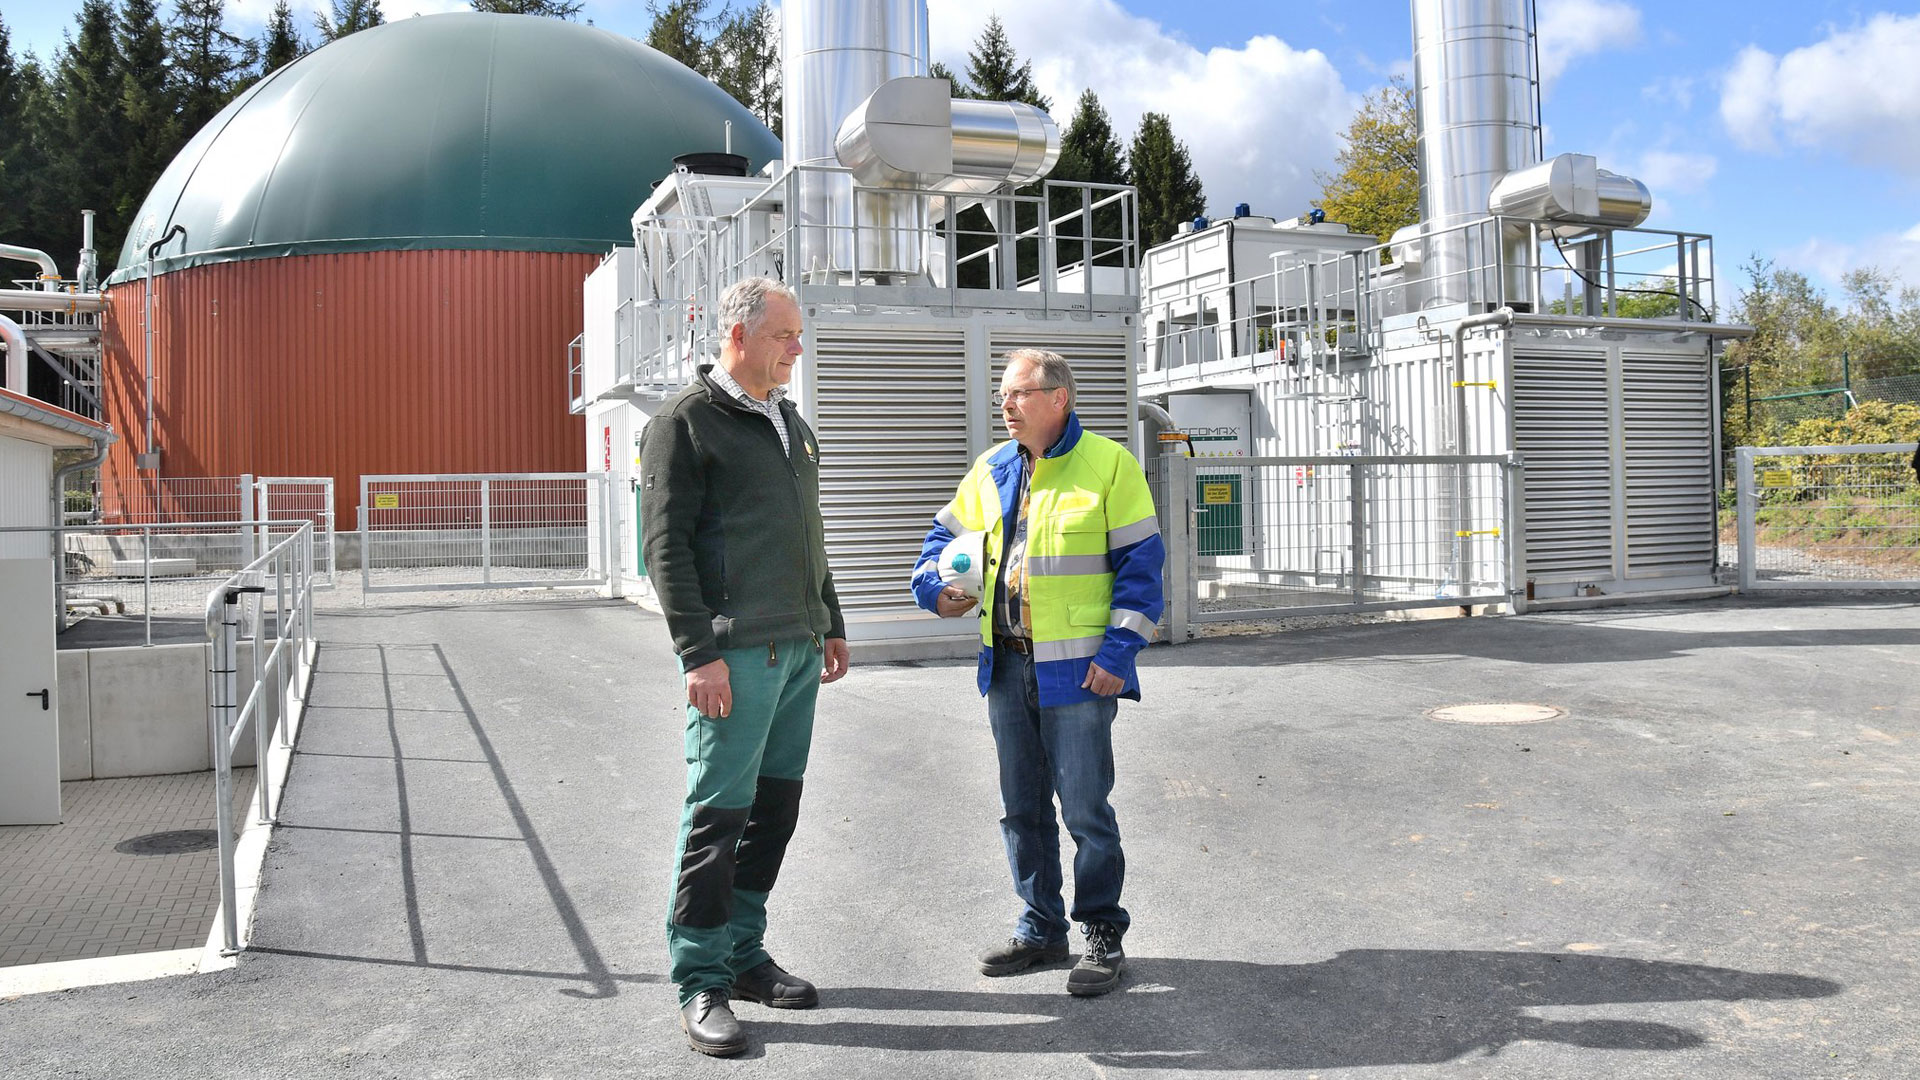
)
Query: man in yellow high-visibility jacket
[{"x": 1073, "y": 592}]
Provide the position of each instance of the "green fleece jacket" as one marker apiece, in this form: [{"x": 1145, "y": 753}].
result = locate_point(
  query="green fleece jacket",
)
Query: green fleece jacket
[{"x": 731, "y": 526}]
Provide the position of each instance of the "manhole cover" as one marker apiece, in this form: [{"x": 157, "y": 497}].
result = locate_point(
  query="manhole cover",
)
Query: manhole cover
[
  {"x": 1511, "y": 712},
  {"x": 178, "y": 842}
]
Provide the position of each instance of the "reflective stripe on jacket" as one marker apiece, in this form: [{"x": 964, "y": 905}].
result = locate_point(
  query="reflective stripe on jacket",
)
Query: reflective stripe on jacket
[{"x": 1094, "y": 557}]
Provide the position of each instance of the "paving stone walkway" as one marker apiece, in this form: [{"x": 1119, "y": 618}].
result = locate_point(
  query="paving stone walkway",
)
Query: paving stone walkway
[{"x": 67, "y": 891}]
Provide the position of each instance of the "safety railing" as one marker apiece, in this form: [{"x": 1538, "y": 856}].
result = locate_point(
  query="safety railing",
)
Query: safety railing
[
  {"x": 1828, "y": 517},
  {"x": 431, "y": 532},
  {"x": 1052, "y": 244},
  {"x": 268, "y": 603},
  {"x": 142, "y": 572},
  {"x": 1309, "y": 306},
  {"x": 1271, "y": 537},
  {"x": 1304, "y": 309}
]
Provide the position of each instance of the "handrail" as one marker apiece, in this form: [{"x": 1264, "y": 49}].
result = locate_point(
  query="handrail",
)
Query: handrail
[{"x": 274, "y": 702}]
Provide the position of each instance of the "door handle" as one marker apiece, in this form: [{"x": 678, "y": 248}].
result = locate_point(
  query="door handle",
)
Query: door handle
[{"x": 44, "y": 697}]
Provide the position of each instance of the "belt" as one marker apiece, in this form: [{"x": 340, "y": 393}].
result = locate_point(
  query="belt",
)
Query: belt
[{"x": 1023, "y": 646}]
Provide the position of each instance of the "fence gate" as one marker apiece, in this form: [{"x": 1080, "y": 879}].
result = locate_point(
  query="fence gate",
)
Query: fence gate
[
  {"x": 1264, "y": 538},
  {"x": 284, "y": 503},
  {"x": 487, "y": 531},
  {"x": 1828, "y": 517}
]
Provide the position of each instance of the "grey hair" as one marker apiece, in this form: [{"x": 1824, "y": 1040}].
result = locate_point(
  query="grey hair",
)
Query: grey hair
[
  {"x": 1053, "y": 369},
  {"x": 745, "y": 302}
]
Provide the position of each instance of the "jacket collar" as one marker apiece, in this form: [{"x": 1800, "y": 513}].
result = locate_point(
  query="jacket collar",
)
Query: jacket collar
[
  {"x": 1069, "y": 438},
  {"x": 714, "y": 381}
]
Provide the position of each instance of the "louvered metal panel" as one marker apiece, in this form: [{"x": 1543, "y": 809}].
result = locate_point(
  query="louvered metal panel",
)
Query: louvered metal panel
[
  {"x": 1560, "y": 425},
  {"x": 1668, "y": 420},
  {"x": 890, "y": 407},
  {"x": 1102, "y": 373}
]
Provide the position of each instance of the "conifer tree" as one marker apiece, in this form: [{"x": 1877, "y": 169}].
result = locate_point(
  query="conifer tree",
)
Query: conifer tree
[
  {"x": 744, "y": 60},
  {"x": 1090, "y": 153},
  {"x": 679, "y": 29},
  {"x": 149, "y": 103},
  {"x": 282, "y": 44},
  {"x": 1161, "y": 168},
  {"x": 552, "y": 9},
  {"x": 996, "y": 73},
  {"x": 15, "y": 144},
  {"x": 210, "y": 64},
  {"x": 349, "y": 17},
  {"x": 87, "y": 140},
  {"x": 938, "y": 70}
]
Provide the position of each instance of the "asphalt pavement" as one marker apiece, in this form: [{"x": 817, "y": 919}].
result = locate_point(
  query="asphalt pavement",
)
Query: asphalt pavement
[{"x": 1705, "y": 869}]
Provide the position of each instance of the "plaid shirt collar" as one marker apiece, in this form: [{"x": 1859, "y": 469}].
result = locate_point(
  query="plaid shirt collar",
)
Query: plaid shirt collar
[{"x": 726, "y": 382}]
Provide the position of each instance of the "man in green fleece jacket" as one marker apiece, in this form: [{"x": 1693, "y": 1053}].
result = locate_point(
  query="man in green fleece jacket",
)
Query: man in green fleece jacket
[{"x": 730, "y": 506}]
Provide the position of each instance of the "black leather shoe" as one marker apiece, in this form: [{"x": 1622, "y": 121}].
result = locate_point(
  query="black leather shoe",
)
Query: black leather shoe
[
  {"x": 773, "y": 987},
  {"x": 1100, "y": 966},
  {"x": 1017, "y": 955},
  {"x": 710, "y": 1026}
]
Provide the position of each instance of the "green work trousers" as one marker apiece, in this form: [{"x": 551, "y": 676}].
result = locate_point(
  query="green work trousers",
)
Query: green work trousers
[{"x": 743, "y": 799}]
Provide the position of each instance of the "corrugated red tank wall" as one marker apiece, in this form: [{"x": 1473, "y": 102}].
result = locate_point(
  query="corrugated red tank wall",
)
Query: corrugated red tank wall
[{"x": 343, "y": 364}]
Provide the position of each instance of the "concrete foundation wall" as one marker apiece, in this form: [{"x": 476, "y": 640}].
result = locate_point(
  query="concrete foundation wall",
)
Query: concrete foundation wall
[{"x": 138, "y": 712}]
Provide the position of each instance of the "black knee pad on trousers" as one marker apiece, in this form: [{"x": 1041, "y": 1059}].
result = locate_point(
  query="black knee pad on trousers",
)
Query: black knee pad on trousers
[
  {"x": 703, "y": 896},
  {"x": 776, "y": 810}
]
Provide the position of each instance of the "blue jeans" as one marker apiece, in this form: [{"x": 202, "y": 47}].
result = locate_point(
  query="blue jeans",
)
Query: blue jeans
[{"x": 1065, "y": 750}]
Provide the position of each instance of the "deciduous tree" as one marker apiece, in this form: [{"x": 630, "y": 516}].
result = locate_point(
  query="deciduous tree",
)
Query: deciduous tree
[{"x": 1376, "y": 189}]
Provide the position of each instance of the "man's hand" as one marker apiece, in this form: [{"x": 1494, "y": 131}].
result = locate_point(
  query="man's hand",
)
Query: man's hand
[
  {"x": 836, "y": 659},
  {"x": 952, "y": 602},
  {"x": 1100, "y": 682},
  {"x": 710, "y": 689}
]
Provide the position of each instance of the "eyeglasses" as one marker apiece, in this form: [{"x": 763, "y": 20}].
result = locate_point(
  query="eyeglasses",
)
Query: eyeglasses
[{"x": 1000, "y": 399}]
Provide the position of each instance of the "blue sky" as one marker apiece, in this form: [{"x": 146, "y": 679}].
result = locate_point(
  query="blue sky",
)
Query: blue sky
[{"x": 1786, "y": 128}]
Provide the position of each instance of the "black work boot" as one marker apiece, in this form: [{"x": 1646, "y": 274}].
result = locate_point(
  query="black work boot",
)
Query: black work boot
[
  {"x": 770, "y": 985},
  {"x": 1017, "y": 955},
  {"x": 1100, "y": 966},
  {"x": 710, "y": 1026}
]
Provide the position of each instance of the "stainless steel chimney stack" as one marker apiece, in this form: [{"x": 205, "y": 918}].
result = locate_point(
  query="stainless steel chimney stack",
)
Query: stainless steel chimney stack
[
  {"x": 834, "y": 54},
  {"x": 1474, "y": 81}
]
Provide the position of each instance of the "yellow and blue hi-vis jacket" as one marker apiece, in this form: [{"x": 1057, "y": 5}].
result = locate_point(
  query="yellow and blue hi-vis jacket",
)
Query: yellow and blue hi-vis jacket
[{"x": 1094, "y": 558}]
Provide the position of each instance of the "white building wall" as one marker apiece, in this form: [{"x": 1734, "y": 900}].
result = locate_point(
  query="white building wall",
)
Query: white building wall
[{"x": 26, "y": 477}]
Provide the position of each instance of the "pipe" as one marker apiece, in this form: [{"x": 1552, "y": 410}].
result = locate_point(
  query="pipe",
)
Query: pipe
[
  {"x": 16, "y": 369},
  {"x": 834, "y": 53},
  {"x": 89, "y": 271},
  {"x": 1455, "y": 368},
  {"x": 35, "y": 300},
  {"x": 153, "y": 250},
  {"x": 48, "y": 268},
  {"x": 1473, "y": 95},
  {"x": 100, "y": 444},
  {"x": 1736, "y": 331}
]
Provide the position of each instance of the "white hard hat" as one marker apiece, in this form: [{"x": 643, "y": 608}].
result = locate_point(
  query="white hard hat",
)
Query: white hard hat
[{"x": 963, "y": 562}]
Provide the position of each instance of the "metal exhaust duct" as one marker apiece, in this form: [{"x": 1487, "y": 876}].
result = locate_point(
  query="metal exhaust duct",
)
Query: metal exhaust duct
[
  {"x": 1473, "y": 80},
  {"x": 834, "y": 54}
]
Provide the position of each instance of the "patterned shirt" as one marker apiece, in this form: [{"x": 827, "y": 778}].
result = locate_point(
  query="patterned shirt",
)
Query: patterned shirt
[
  {"x": 1011, "y": 617},
  {"x": 769, "y": 408}
]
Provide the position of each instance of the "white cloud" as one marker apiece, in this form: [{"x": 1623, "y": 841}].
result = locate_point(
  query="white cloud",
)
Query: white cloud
[
  {"x": 1677, "y": 90},
  {"x": 1675, "y": 171},
  {"x": 248, "y": 18},
  {"x": 1897, "y": 254},
  {"x": 1571, "y": 29},
  {"x": 1258, "y": 119},
  {"x": 1856, "y": 92}
]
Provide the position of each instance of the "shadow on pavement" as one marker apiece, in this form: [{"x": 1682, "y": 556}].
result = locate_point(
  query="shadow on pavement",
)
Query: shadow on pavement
[{"x": 1361, "y": 1007}]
